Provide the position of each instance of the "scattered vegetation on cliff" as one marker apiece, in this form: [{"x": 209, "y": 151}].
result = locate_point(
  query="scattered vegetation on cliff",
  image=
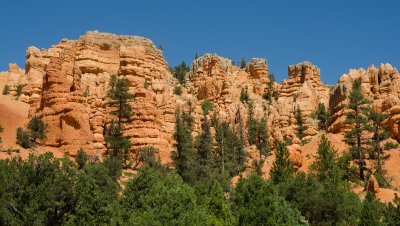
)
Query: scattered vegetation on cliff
[{"x": 180, "y": 72}]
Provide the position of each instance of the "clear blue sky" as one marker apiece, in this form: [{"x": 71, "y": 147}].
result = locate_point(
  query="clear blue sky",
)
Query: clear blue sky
[{"x": 334, "y": 35}]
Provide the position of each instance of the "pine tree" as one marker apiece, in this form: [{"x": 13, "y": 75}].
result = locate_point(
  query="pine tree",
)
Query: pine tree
[
  {"x": 36, "y": 129},
  {"x": 323, "y": 116},
  {"x": 244, "y": 95},
  {"x": 185, "y": 154},
  {"x": 230, "y": 154},
  {"x": 196, "y": 55},
  {"x": 243, "y": 63},
  {"x": 282, "y": 168},
  {"x": 380, "y": 135},
  {"x": 372, "y": 212},
  {"x": 1, "y": 130},
  {"x": 81, "y": 158},
  {"x": 204, "y": 150},
  {"x": 19, "y": 91},
  {"x": 218, "y": 208},
  {"x": 326, "y": 161},
  {"x": 257, "y": 132},
  {"x": 271, "y": 82},
  {"x": 119, "y": 96},
  {"x": 300, "y": 126},
  {"x": 6, "y": 90},
  {"x": 357, "y": 118},
  {"x": 392, "y": 211},
  {"x": 180, "y": 71}
]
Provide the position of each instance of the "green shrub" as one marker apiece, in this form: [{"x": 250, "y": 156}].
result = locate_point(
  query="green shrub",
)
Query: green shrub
[
  {"x": 81, "y": 158},
  {"x": 114, "y": 167},
  {"x": 36, "y": 128},
  {"x": 6, "y": 90},
  {"x": 207, "y": 106},
  {"x": 23, "y": 138},
  {"x": 19, "y": 90},
  {"x": 178, "y": 90},
  {"x": 390, "y": 145}
]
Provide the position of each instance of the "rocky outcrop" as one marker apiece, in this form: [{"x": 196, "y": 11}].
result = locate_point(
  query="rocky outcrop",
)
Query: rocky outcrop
[
  {"x": 379, "y": 84},
  {"x": 215, "y": 78},
  {"x": 62, "y": 105},
  {"x": 67, "y": 86},
  {"x": 303, "y": 89},
  {"x": 15, "y": 77}
]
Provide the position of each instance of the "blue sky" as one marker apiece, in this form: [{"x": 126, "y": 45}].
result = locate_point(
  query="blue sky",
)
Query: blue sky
[{"x": 334, "y": 35}]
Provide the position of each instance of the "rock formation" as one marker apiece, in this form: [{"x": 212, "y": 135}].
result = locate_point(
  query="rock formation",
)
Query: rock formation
[
  {"x": 379, "y": 84},
  {"x": 67, "y": 86},
  {"x": 303, "y": 89}
]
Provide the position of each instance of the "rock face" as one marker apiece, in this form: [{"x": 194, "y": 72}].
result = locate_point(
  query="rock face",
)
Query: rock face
[
  {"x": 303, "y": 89},
  {"x": 15, "y": 77},
  {"x": 215, "y": 78},
  {"x": 67, "y": 86},
  {"x": 379, "y": 84}
]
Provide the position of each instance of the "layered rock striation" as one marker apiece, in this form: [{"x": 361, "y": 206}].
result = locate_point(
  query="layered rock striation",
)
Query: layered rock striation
[{"x": 379, "y": 84}]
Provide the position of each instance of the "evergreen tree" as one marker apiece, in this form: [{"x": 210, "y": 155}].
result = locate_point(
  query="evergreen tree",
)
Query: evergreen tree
[
  {"x": 230, "y": 154},
  {"x": 155, "y": 198},
  {"x": 258, "y": 136},
  {"x": 206, "y": 106},
  {"x": 392, "y": 211},
  {"x": 244, "y": 95},
  {"x": 1, "y": 130},
  {"x": 6, "y": 90},
  {"x": 257, "y": 132},
  {"x": 282, "y": 168},
  {"x": 185, "y": 155},
  {"x": 204, "y": 150},
  {"x": 196, "y": 55},
  {"x": 19, "y": 91},
  {"x": 326, "y": 164},
  {"x": 255, "y": 202},
  {"x": 219, "y": 211},
  {"x": 147, "y": 155},
  {"x": 23, "y": 138},
  {"x": 372, "y": 211},
  {"x": 94, "y": 194},
  {"x": 300, "y": 126},
  {"x": 322, "y": 203},
  {"x": 113, "y": 166},
  {"x": 380, "y": 135},
  {"x": 323, "y": 116},
  {"x": 271, "y": 82},
  {"x": 357, "y": 118},
  {"x": 36, "y": 129},
  {"x": 119, "y": 95},
  {"x": 243, "y": 63},
  {"x": 81, "y": 158},
  {"x": 180, "y": 72}
]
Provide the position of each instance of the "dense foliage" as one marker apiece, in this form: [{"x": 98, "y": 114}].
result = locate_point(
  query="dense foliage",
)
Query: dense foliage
[{"x": 206, "y": 184}]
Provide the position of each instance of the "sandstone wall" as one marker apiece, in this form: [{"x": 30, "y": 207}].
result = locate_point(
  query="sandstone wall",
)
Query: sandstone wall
[
  {"x": 379, "y": 84},
  {"x": 302, "y": 89}
]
